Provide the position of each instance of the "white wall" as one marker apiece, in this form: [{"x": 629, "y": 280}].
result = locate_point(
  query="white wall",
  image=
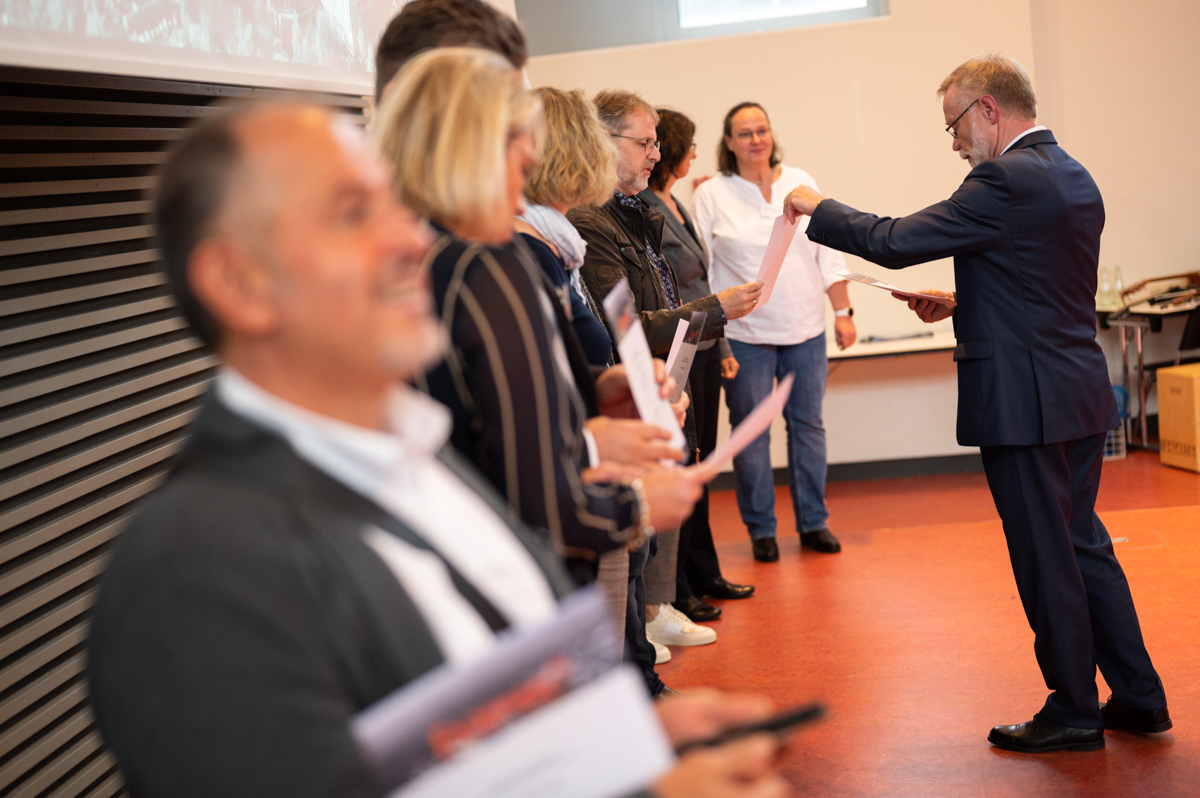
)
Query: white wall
[{"x": 855, "y": 104}]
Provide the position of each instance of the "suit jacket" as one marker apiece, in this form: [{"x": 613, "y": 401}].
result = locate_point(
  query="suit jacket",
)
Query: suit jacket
[
  {"x": 616, "y": 238},
  {"x": 243, "y": 621},
  {"x": 1024, "y": 232},
  {"x": 688, "y": 258}
]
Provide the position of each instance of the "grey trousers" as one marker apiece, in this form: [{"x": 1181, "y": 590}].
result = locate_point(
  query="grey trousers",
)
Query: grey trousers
[
  {"x": 660, "y": 571},
  {"x": 613, "y": 579}
]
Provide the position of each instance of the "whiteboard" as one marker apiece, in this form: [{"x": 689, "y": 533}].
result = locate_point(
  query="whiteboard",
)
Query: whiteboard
[{"x": 324, "y": 45}]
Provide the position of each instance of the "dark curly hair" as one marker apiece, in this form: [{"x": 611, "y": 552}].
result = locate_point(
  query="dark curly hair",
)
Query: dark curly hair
[
  {"x": 726, "y": 160},
  {"x": 676, "y": 134}
]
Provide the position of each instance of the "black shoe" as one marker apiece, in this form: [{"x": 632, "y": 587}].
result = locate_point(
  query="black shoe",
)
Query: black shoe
[
  {"x": 724, "y": 589},
  {"x": 1041, "y": 735},
  {"x": 765, "y": 549},
  {"x": 697, "y": 610},
  {"x": 821, "y": 540},
  {"x": 1147, "y": 721}
]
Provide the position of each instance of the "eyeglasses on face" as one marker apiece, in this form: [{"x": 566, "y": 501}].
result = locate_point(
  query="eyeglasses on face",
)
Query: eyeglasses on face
[
  {"x": 952, "y": 128},
  {"x": 647, "y": 144},
  {"x": 746, "y": 136}
]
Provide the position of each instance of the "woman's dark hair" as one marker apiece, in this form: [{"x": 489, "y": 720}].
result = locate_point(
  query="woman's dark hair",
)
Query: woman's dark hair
[
  {"x": 726, "y": 160},
  {"x": 676, "y": 134}
]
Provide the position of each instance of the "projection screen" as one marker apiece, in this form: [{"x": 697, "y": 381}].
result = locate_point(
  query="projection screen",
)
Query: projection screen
[{"x": 326, "y": 45}]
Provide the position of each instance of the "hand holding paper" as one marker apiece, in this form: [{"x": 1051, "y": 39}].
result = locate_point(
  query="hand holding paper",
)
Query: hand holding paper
[
  {"x": 929, "y": 304},
  {"x": 802, "y": 201}
]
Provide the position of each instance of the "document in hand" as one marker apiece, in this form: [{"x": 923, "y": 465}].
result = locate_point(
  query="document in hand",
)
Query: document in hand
[
  {"x": 546, "y": 714},
  {"x": 753, "y": 425},
  {"x": 868, "y": 280},
  {"x": 782, "y": 234},
  {"x": 683, "y": 351},
  {"x": 639, "y": 363}
]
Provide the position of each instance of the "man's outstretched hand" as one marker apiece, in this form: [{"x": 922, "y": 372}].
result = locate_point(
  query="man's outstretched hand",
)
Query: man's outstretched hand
[
  {"x": 927, "y": 310},
  {"x": 801, "y": 202}
]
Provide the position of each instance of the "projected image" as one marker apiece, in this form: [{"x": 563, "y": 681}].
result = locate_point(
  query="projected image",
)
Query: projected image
[
  {"x": 319, "y": 33},
  {"x": 703, "y": 13}
]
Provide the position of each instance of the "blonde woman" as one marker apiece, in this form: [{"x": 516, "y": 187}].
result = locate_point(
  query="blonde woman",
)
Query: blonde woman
[
  {"x": 576, "y": 169},
  {"x": 463, "y": 137}
]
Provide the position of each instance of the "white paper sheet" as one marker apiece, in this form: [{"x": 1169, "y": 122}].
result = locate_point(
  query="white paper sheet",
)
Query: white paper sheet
[
  {"x": 871, "y": 281},
  {"x": 753, "y": 425},
  {"x": 600, "y": 741},
  {"x": 683, "y": 352},
  {"x": 782, "y": 234},
  {"x": 639, "y": 363},
  {"x": 680, "y": 331}
]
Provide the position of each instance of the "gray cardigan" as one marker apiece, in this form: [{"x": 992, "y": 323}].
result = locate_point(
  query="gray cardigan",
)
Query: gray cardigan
[{"x": 688, "y": 257}]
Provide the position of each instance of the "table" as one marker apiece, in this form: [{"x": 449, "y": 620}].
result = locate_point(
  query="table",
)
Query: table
[
  {"x": 939, "y": 341},
  {"x": 1138, "y": 317}
]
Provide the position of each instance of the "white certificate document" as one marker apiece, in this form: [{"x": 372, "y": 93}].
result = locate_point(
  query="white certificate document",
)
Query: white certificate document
[{"x": 639, "y": 363}]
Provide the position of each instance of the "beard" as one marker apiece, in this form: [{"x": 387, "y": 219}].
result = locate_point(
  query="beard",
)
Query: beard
[
  {"x": 977, "y": 153},
  {"x": 632, "y": 178}
]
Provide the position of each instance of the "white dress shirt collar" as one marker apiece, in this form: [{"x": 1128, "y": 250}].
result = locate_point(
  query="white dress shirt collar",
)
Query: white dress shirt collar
[
  {"x": 361, "y": 457},
  {"x": 1022, "y": 135},
  {"x": 400, "y": 472}
]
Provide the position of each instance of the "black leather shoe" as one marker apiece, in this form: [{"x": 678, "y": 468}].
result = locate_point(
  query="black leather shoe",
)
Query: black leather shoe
[
  {"x": 1118, "y": 716},
  {"x": 821, "y": 540},
  {"x": 724, "y": 589},
  {"x": 765, "y": 550},
  {"x": 697, "y": 610},
  {"x": 1041, "y": 735}
]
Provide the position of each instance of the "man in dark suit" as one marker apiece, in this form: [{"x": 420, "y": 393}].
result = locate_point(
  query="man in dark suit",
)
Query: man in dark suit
[
  {"x": 317, "y": 545},
  {"x": 1033, "y": 391}
]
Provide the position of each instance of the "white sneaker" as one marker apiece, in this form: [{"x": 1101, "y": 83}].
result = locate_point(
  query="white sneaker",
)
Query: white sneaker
[
  {"x": 661, "y": 653},
  {"x": 671, "y": 627}
]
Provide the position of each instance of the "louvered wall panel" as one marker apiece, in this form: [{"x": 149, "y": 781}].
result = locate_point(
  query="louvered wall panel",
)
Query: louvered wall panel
[{"x": 99, "y": 380}]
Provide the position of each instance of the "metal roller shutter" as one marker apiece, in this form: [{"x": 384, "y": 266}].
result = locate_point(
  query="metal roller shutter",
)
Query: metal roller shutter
[{"x": 98, "y": 382}]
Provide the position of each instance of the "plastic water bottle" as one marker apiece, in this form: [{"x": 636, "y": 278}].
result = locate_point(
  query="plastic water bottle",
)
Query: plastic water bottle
[
  {"x": 1118, "y": 289},
  {"x": 1104, "y": 298}
]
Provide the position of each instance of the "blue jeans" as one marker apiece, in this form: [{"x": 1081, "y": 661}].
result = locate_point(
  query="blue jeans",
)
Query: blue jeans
[{"x": 761, "y": 365}]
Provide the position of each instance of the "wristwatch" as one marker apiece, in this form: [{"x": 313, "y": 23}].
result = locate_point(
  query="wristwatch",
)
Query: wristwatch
[{"x": 844, "y": 313}]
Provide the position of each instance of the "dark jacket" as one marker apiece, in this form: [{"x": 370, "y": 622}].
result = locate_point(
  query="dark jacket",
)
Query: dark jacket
[
  {"x": 683, "y": 249},
  {"x": 517, "y": 417},
  {"x": 616, "y": 247},
  {"x": 243, "y": 621},
  {"x": 1024, "y": 231}
]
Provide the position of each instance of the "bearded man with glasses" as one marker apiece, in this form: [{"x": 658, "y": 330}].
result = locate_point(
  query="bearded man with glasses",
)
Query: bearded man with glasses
[{"x": 1033, "y": 391}]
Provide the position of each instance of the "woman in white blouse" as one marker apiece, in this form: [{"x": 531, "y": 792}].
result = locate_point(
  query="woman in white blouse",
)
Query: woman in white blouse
[{"x": 734, "y": 213}]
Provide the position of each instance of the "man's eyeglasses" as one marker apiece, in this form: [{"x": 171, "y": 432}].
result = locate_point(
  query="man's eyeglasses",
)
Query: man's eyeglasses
[
  {"x": 647, "y": 144},
  {"x": 950, "y": 128}
]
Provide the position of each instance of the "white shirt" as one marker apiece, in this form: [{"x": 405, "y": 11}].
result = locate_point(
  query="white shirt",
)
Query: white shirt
[
  {"x": 735, "y": 223},
  {"x": 398, "y": 470},
  {"x": 1022, "y": 135}
]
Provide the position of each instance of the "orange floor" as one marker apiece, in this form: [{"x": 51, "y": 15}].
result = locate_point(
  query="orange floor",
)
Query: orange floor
[{"x": 915, "y": 640}]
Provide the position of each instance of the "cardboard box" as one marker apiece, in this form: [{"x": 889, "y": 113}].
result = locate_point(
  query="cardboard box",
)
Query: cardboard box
[{"x": 1179, "y": 416}]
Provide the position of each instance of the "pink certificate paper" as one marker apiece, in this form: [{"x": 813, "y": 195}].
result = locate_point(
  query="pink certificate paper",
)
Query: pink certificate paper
[
  {"x": 752, "y": 425},
  {"x": 782, "y": 234}
]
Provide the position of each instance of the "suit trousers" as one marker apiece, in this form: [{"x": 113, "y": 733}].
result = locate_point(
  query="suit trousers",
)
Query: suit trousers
[
  {"x": 1074, "y": 592},
  {"x": 697, "y": 553}
]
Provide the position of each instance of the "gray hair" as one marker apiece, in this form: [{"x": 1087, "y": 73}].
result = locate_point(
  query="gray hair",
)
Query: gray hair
[
  {"x": 998, "y": 75},
  {"x": 615, "y": 106}
]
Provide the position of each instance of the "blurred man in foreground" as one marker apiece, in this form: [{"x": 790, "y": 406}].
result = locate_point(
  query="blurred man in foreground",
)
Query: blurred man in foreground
[{"x": 316, "y": 546}]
